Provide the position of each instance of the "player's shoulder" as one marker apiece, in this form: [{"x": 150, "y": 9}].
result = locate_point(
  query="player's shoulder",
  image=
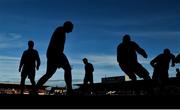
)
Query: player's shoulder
[
  {"x": 35, "y": 51},
  {"x": 133, "y": 42},
  {"x": 25, "y": 51},
  {"x": 60, "y": 28}
]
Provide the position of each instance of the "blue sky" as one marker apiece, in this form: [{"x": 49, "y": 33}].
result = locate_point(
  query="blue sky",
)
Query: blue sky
[{"x": 98, "y": 28}]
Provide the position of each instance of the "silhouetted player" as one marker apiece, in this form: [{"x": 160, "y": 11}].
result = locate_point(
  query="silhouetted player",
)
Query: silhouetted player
[
  {"x": 127, "y": 59},
  {"x": 30, "y": 61},
  {"x": 89, "y": 69},
  {"x": 56, "y": 57},
  {"x": 161, "y": 65}
]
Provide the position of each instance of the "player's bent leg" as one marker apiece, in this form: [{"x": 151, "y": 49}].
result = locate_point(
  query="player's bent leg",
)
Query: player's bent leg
[
  {"x": 128, "y": 71},
  {"x": 142, "y": 72},
  {"x": 49, "y": 73}
]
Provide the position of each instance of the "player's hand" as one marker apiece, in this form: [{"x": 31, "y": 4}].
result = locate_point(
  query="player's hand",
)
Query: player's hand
[
  {"x": 145, "y": 56},
  {"x": 37, "y": 68},
  {"x": 19, "y": 69},
  {"x": 153, "y": 65}
]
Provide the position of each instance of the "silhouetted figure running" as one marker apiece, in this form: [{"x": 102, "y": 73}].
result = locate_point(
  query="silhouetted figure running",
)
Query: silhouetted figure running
[
  {"x": 56, "y": 57},
  {"x": 161, "y": 65},
  {"x": 177, "y": 73},
  {"x": 89, "y": 69},
  {"x": 127, "y": 59},
  {"x": 30, "y": 61}
]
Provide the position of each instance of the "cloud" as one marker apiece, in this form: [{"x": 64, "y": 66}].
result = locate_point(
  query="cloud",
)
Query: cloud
[
  {"x": 150, "y": 34},
  {"x": 9, "y": 69},
  {"x": 142, "y": 60},
  {"x": 10, "y": 40},
  {"x": 75, "y": 61},
  {"x": 96, "y": 59},
  {"x": 110, "y": 59},
  {"x": 9, "y": 36},
  {"x": 164, "y": 34},
  {"x": 15, "y": 36},
  {"x": 8, "y": 64},
  {"x": 104, "y": 60},
  {"x": 9, "y": 58}
]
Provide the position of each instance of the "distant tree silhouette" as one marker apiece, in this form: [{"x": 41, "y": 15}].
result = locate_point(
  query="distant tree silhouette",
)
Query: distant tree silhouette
[
  {"x": 161, "y": 65},
  {"x": 56, "y": 57},
  {"x": 127, "y": 59},
  {"x": 29, "y": 62}
]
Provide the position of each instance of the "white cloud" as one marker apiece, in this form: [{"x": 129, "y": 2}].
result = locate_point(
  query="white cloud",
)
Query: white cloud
[
  {"x": 15, "y": 36},
  {"x": 10, "y": 40},
  {"x": 9, "y": 36},
  {"x": 143, "y": 60},
  {"x": 9, "y": 58},
  {"x": 102, "y": 59},
  {"x": 75, "y": 61}
]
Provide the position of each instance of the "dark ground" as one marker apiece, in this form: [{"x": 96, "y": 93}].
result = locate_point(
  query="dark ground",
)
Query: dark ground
[
  {"x": 89, "y": 102},
  {"x": 166, "y": 99}
]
